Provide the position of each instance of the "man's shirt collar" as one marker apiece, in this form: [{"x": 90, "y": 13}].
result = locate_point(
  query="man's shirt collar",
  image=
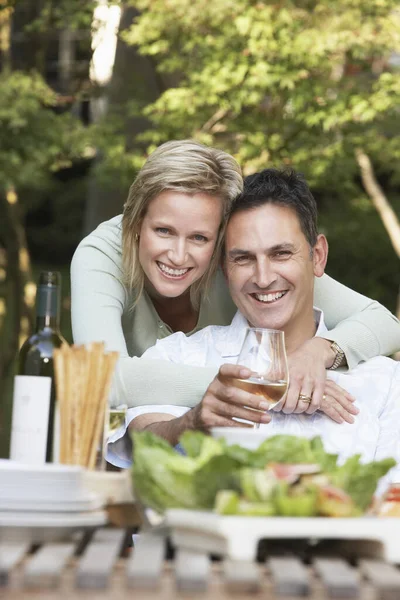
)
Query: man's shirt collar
[{"x": 231, "y": 344}]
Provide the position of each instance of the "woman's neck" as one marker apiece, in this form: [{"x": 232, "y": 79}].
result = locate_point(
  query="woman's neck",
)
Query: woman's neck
[{"x": 178, "y": 313}]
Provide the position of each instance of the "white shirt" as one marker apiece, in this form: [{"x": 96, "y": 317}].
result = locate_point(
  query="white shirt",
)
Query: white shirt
[{"x": 375, "y": 384}]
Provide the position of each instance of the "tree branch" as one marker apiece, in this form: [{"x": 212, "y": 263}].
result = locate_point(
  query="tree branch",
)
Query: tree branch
[
  {"x": 214, "y": 119},
  {"x": 379, "y": 200}
]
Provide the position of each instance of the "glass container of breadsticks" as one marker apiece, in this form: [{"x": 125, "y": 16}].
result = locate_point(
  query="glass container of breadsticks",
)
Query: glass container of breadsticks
[{"x": 83, "y": 377}]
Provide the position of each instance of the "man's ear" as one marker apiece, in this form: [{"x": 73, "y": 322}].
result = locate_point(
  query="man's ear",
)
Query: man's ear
[{"x": 320, "y": 255}]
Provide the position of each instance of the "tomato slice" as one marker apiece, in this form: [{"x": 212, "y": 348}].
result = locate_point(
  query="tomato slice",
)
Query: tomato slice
[
  {"x": 393, "y": 494},
  {"x": 392, "y": 498}
]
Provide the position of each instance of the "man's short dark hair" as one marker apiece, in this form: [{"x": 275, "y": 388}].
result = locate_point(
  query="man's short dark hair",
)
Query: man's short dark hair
[{"x": 284, "y": 188}]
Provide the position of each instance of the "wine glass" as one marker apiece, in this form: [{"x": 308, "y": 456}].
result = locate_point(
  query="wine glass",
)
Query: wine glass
[{"x": 263, "y": 352}]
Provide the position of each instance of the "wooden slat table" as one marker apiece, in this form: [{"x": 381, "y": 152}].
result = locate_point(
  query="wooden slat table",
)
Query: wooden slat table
[{"x": 98, "y": 570}]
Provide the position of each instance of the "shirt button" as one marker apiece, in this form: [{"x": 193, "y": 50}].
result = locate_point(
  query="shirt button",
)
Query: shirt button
[{"x": 160, "y": 325}]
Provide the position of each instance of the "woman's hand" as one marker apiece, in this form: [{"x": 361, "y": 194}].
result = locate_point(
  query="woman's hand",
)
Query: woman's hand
[
  {"x": 338, "y": 404},
  {"x": 307, "y": 377}
]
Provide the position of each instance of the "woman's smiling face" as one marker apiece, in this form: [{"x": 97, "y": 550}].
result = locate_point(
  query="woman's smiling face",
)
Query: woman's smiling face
[{"x": 177, "y": 239}]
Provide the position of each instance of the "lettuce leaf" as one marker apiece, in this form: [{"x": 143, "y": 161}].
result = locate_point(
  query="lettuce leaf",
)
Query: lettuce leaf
[
  {"x": 288, "y": 449},
  {"x": 164, "y": 479},
  {"x": 246, "y": 457},
  {"x": 155, "y": 481},
  {"x": 360, "y": 480},
  {"x": 327, "y": 462},
  {"x": 218, "y": 473},
  {"x": 192, "y": 442},
  {"x": 257, "y": 484}
]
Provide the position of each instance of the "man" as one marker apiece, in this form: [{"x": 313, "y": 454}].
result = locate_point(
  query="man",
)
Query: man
[{"x": 272, "y": 254}]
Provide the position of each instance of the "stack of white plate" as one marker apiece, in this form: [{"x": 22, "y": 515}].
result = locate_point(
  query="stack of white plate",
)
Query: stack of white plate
[{"x": 46, "y": 502}]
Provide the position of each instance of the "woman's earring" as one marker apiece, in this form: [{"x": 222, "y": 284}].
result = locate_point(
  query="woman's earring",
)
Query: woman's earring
[{"x": 136, "y": 237}]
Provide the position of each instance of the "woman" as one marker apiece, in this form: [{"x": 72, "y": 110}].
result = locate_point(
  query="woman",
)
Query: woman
[{"x": 153, "y": 271}]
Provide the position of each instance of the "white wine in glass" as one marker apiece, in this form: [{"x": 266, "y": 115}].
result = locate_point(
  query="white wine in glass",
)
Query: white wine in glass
[{"x": 264, "y": 353}]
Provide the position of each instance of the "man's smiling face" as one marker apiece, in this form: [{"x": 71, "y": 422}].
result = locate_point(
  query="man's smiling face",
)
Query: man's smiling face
[{"x": 270, "y": 267}]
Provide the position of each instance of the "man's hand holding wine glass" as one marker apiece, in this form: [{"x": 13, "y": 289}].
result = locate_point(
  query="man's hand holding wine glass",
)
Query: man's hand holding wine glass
[{"x": 224, "y": 401}]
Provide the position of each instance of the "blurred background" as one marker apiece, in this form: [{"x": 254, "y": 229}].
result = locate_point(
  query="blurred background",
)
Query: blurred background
[{"x": 88, "y": 89}]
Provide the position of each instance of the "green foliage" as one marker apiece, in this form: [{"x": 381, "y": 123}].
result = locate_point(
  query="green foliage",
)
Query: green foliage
[
  {"x": 74, "y": 14},
  {"x": 295, "y": 82},
  {"x": 360, "y": 253},
  {"x": 118, "y": 165},
  {"x": 34, "y": 139}
]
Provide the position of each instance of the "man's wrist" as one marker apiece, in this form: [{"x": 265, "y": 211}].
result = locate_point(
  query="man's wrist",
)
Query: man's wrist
[
  {"x": 171, "y": 430},
  {"x": 188, "y": 420}
]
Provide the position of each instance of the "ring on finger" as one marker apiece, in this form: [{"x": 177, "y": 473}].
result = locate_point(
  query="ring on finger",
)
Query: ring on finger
[{"x": 305, "y": 398}]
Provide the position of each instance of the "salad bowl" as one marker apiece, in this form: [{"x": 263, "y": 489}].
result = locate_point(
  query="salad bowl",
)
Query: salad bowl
[{"x": 284, "y": 476}]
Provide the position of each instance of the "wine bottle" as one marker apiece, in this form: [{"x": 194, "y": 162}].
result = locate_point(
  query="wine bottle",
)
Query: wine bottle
[{"x": 34, "y": 400}]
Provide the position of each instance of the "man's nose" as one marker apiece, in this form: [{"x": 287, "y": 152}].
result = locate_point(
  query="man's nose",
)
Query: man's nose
[
  {"x": 264, "y": 274},
  {"x": 177, "y": 253}
]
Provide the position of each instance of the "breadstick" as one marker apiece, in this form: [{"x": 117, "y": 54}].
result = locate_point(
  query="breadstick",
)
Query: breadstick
[
  {"x": 79, "y": 360},
  {"x": 109, "y": 364},
  {"x": 60, "y": 387},
  {"x": 96, "y": 353}
]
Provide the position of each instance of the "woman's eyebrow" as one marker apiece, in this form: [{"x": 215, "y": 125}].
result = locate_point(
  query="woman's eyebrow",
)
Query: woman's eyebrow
[{"x": 160, "y": 222}]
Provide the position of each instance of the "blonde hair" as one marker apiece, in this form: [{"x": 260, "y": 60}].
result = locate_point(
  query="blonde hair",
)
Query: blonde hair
[{"x": 184, "y": 166}]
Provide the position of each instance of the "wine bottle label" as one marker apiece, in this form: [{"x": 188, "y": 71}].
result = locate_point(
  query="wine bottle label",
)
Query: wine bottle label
[{"x": 30, "y": 419}]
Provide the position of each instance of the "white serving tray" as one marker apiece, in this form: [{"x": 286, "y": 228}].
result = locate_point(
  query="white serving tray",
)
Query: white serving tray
[
  {"x": 36, "y": 527},
  {"x": 89, "y": 503},
  {"x": 237, "y": 537}
]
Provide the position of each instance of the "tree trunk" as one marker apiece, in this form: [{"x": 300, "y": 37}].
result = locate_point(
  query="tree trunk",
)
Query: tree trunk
[
  {"x": 398, "y": 304},
  {"x": 15, "y": 305},
  {"x": 143, "y": 86},
  {"x": 66, "y": 60},
  {"x": 379, "y": 200},
  {"x": 397, "y": 355},
  {"x": 381, "y": 203},
  {"x": 5, "y": 37}
]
